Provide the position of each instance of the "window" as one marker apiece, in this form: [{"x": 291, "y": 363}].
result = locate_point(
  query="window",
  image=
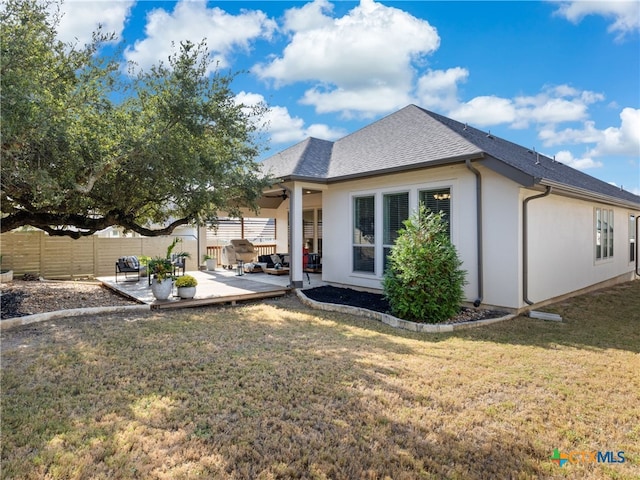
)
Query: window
[
  {"x": 632, "y": 238},
  {"x": 364, "y": 234},
  {"x": 396, "y": 211},
  {"x": 438, "y": 201},
  {"x": 604, "y": 233}
]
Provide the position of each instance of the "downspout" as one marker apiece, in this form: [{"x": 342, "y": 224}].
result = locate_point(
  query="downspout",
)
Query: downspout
[
  {"x": 525, "y": 244},
  {"x": 478, "y": 300},
  {"x": 637, "y": 242}
]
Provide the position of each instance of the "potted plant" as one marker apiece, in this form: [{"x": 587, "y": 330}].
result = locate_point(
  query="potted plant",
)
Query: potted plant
[
  {"x": 161, "y": 271},
  {"x": 186, "y": 285},
  {"x": 5, "y": 275},
  {"x": 211, "y": 262}
]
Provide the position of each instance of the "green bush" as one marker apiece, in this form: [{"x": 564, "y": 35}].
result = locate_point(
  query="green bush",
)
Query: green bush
[
  {"x": 186, "y": 281},
  {"x": 423, "y": 281}
]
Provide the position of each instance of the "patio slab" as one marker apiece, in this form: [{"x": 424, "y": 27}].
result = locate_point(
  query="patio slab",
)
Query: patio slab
[{"x": 219, "y": 286}]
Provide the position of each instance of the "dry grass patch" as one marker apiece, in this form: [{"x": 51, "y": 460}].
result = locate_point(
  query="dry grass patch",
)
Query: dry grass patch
[{"x": 276, "y": 390}]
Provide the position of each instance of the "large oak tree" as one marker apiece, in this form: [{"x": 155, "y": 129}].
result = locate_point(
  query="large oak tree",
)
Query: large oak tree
[{"x": 85, "y": 147}]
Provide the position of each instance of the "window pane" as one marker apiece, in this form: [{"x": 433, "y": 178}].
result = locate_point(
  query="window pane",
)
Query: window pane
[
  {"x": 632, "y": 238},
  {"x": 364, "y": 221},
  {"x": 438, "y": 201},
  {"x": 605, "y": 233},
  {"x": 396, "y": 211},
  {"x": 363, "y": 259},
  {"x": 598, "y": 234},
  {"x": 610, "y": 233}
]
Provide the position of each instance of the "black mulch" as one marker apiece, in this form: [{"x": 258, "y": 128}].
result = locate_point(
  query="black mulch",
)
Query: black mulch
[
  {"x": 348, "y": 296},
  {"x": 378, "y": 303}
]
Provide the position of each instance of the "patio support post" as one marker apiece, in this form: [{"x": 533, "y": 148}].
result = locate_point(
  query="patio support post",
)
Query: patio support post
[{"x": 295, "y": 225}]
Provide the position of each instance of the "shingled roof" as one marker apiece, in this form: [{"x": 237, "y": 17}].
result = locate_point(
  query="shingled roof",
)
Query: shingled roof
[{"x": 414, "y": 138}]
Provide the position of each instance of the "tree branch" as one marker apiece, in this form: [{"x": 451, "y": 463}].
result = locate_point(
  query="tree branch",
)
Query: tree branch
[{"x": 83, "y": 226}]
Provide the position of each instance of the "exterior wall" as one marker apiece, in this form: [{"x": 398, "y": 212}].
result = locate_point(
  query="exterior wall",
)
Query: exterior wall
[
  {"x": 562, "y": 246},
  {"x": 502, "y": 235},
  {"x": 338, "y": 221}
]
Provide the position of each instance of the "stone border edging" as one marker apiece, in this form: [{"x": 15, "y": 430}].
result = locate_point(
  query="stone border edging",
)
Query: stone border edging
[
  {"x": 73, "y": 312},
  {"x": 398, "y": 322}
]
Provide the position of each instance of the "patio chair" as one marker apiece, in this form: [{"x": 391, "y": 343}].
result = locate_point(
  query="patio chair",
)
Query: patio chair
[
  {"x": 128, "y": 265},
  {"x": 238, "y": 250},
  {"x": 179, "y": 262}
]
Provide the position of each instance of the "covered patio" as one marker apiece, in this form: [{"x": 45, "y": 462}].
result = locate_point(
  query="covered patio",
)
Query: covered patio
[{"x": 218, "y": 286}]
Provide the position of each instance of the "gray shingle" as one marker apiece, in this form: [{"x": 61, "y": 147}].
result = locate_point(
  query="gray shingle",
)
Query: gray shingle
[{"x": 414, "y": 138}]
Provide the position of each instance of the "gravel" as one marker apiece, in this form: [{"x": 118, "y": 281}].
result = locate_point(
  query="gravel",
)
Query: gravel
[{"x": 20, "y": 298}]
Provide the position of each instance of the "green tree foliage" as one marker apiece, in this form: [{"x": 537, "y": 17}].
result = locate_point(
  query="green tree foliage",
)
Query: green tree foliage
[
  {"x": 423, "y": 281},
  {"x": 85, "y": 147}
]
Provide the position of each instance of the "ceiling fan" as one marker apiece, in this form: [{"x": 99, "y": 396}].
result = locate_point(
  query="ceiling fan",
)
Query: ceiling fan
[{"x": 283, "y": 195}]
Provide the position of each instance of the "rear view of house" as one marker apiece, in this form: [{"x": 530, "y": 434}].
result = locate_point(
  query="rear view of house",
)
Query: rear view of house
[{"x": 527, "y": 228}]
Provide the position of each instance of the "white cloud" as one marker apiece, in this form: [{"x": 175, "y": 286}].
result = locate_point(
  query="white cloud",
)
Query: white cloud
[
  {"x": 553, "y": 105},
  {"x": 570, "y": 136},
  {"x": 485, "y": 111},
  {"x": 192, "y": 20},
  {"x": 625, "y": 13},
  {"x": 438, "y": 89},
  {"x": 308, "y": 17},
  {"x": 80, "y": 18},
  {"x": 360, "y": 62},
  {"x": 584, "y": 163},
  {"x": 283, "y": 128},
  {"x": 624, "y": 140}
]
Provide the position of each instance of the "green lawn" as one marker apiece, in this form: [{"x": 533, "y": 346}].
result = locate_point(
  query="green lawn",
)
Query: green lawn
[{"x": 276, "y": 390}]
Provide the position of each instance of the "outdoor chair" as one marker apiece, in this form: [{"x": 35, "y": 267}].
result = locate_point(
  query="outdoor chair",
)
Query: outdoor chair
[
  {"x": 128, "y": 265},
  {"x": 179, "y": 262},
  {"x": 238, "y": 250}
]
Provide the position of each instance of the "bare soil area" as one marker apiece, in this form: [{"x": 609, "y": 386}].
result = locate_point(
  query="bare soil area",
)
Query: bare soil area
[{"x": 20, "y": 298}]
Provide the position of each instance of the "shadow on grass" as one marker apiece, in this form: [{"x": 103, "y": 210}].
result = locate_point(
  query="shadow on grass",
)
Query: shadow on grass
[
  {"x": 262, "y": 392},
  {"x": 606, "y": 319}
]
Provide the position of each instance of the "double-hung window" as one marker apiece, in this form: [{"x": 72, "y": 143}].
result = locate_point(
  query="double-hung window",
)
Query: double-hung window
[
  {"x": 364, "y": 251},
  {"x": 604, "y": 233},
  {"x": 396, "y": 211},
  {"x": 438, "y": 201}
]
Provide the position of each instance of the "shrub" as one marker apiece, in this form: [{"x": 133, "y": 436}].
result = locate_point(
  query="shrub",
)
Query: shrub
[
  {"x": 423, "y": 281},
  {"x": 186, "y": 281}
]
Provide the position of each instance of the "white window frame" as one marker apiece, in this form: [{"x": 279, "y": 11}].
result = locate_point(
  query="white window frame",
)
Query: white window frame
[{"x": 603, "y": 237}]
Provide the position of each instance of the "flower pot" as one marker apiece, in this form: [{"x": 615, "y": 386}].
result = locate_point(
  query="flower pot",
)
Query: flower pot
[
  {"x": 186, "y": 292},
  {"x": 211, "y": 264},
  {"x": 161, "y": 289},
  {"x": 6, "y": 276}
]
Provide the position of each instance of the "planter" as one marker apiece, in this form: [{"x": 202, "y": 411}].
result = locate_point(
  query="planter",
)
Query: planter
[
  {"x": 211, "y": 263},
  {"x": 6, "y": 276},
  {"x": 161, "y": 289},
  {"x": 186, "y": 292}
]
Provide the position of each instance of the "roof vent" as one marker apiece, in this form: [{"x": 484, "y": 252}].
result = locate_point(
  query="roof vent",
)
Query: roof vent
[
  {"x": 465, "y": 127},
  {"x": 489, "y": 134},
  {"x": 537, "y": 159}
]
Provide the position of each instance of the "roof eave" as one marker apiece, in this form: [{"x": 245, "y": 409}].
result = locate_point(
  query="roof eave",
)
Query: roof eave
[
  {"x": 581, "y": 193},
  {"x": 407, "y": 168}
]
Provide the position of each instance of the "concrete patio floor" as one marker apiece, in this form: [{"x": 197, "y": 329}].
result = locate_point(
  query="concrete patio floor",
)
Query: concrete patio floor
[{"x": 218, "y": 286}]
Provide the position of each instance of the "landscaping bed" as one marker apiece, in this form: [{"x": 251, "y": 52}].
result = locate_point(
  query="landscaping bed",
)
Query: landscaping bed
[{"x": 378, "y": 303}]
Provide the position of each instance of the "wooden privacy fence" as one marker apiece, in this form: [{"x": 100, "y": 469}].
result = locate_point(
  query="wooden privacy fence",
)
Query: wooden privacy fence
[{"x": 64, "y": 257}]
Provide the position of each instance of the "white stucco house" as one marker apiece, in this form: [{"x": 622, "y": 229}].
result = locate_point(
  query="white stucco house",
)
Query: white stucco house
[{"x": 527, "y": 228}]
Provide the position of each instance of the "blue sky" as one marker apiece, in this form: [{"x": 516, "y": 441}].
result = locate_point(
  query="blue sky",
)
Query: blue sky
[{"x": 562, "y": 77}]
